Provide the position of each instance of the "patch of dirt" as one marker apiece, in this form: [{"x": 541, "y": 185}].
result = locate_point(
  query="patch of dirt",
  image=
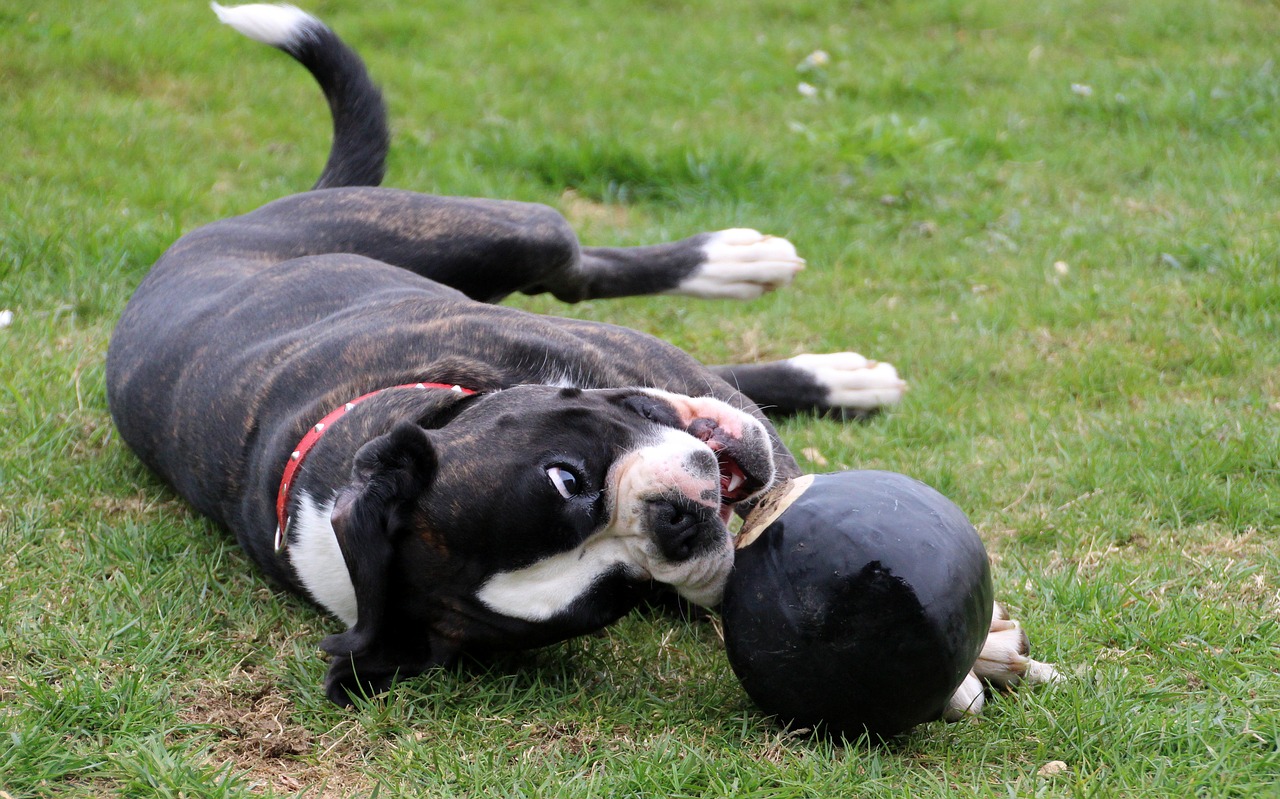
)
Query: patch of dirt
[
  {"x": 1209, "y": 541},
  {"x": 250, "y": 722},
  {"x": 8, "y": 685},
  {"x": 94, "y": 432},
  {"x": 783, "y": 746},
  {"x": 1227, "y": 554},
  {"x": 251, "y": 716}
]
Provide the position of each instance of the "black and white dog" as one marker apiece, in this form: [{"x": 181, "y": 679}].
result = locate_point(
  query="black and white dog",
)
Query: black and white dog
[{"x": 325, "y": 377}]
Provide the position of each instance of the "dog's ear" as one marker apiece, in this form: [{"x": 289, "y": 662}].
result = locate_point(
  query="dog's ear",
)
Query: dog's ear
[{"x": 371, "y": 516}]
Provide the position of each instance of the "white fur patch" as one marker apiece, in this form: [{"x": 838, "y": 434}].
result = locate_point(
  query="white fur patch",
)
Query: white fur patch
[
  {"x": 561, "y": 380},
  {"x": 318, "y": 560},
  {"x": 853, "y": 381},
  {"x": 1003, "y": 663},
  {"x": 276, "y": 25},
  {"x": 741, "y": 264},
  {"x": 545, "y": 589},
  {"x": 1038, "y": 672},
  {"x": 672, "y": 460},
  {"x": 1003, "y": 660},
  {"x": 967, "y": 700}
]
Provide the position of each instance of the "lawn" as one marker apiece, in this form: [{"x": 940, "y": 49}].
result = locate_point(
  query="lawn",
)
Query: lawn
[{"x": 1057, "y": 219}]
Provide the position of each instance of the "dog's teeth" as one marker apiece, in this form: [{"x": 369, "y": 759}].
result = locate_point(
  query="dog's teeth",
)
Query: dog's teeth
[{"x": 735, "y": 481}]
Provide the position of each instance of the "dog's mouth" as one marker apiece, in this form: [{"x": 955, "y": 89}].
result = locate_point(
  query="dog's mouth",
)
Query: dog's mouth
[
  {"x": 743, "y": 457},
  {"x": 739, "y": 442},
  {"x": 736, "y": 483}
]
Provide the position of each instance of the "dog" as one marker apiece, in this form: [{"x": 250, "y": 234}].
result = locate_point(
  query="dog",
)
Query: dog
[{"x": 328, "y": 378}]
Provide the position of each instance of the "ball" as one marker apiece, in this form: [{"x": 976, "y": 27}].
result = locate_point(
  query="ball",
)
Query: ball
[{"x": 858, "y": 602}]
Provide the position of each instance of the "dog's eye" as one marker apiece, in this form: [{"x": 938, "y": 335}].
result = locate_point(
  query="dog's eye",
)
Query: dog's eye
[{"x": 565, "y": 481}]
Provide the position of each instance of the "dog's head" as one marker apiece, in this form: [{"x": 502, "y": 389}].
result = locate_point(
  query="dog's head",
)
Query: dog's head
[{"x": 536, "y": 514}]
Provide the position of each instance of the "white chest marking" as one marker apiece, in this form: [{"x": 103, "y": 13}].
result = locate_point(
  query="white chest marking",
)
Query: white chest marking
[
  {"x": 318, "y": 561},
  {"x": 544, "y": 589}
]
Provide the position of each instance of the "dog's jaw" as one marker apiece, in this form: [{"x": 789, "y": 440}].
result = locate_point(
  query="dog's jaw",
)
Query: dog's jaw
[{"x": 738, "y": 440}]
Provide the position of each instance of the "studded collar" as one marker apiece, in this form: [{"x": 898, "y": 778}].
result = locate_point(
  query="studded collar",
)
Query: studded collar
[{"x": 309, "y": 440}]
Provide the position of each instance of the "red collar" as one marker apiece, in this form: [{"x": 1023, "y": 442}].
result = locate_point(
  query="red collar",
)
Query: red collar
[{"x": 309, "y": 440}]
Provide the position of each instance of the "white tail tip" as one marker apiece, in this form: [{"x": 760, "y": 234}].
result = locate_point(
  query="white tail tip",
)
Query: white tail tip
[{"x": 276, "y": 25}]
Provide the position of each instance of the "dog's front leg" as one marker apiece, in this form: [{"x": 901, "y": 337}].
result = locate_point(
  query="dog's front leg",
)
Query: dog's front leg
[{"x": 371, "y": 671}]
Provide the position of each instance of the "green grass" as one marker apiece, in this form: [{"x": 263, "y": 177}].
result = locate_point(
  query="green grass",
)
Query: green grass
[{"x": 1082, "y": 286}]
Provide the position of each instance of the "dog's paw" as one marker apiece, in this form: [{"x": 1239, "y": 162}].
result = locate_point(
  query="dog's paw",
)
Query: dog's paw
[
  {"x": 741, "y": 264},
  {"x": 1002, "y": 664},
  {"x": 1003, "y": 661},
  {"x": 854, "y": 384},
  {"x": 967, "y": 700}
]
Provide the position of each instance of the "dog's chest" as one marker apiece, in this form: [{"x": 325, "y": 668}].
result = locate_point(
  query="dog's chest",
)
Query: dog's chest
[{"x": 317, "y": 559}]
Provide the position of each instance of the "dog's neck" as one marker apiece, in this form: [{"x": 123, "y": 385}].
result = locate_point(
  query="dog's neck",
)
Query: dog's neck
[{"x": 312, "y": 437}]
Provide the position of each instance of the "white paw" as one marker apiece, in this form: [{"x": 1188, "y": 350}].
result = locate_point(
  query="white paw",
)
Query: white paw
[
  {"x": 853, "y": 381},
  {"x": 741, "y": 264},
  {"x": 1003, "y": 661},
  {"x": 966, "y": 701}
]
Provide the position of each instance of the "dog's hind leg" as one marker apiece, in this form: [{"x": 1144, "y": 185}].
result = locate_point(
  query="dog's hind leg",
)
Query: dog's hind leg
[
  {"x": 489, "y": 249},
  {"x": 842, "y": 384},
  {"x": 1004, "y": 661},
  {"x": 737, "y": 264},
  {"x": 513, "y": 246}
]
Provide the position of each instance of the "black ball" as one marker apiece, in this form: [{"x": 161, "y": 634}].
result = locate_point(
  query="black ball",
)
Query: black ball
[{"x": 858, "y": 603}]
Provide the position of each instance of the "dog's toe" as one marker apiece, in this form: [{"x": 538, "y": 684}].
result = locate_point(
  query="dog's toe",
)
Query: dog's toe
[{"x": 1004, "y": 660}]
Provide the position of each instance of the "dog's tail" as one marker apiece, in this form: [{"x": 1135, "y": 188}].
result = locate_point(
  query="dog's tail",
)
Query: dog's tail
[{"x": 358, "y": 155}]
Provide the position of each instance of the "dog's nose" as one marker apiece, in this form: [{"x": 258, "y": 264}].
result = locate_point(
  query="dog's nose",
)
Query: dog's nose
[{"x": 682, "y": 528}]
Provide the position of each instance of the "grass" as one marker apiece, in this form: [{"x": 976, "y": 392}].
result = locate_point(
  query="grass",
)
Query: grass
[{"x": 1059, "y": 220}]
